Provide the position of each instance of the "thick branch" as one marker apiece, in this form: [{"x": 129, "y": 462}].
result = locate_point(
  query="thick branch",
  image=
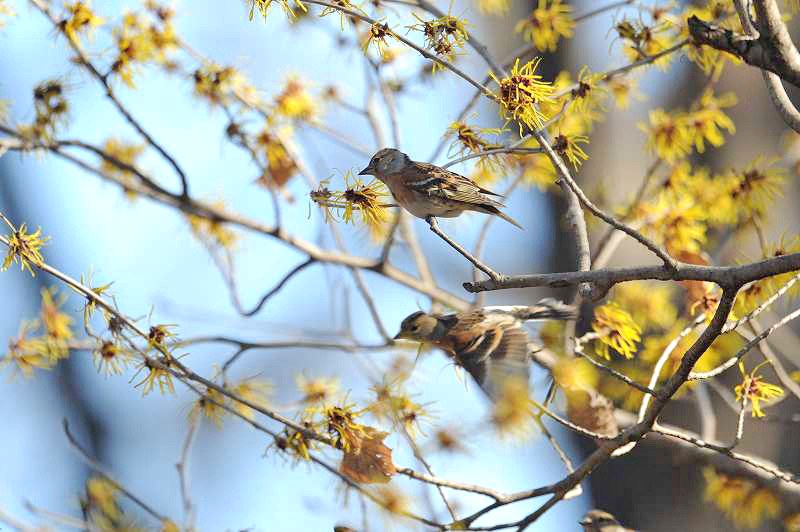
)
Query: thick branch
[
  {"x": 770, "y": 51},
  {"x": 605, "y": 278}
]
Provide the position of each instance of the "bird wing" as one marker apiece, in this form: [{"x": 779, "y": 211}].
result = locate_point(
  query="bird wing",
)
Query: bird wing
[
  {"x": 491, "y": 347},
  {"x": 438, "y": 182}
]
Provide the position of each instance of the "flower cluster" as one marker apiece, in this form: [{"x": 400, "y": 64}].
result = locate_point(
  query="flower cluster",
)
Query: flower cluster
[
  {"x": 443, "y": 36},
  {"x": 142, "y": 39},
  {"x": 41, "y": 343}
]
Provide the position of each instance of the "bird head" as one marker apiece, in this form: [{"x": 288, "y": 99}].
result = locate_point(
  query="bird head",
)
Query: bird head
[
  {"x": 386, "y": 161},
  {"x": 418, "y": 326},
  {"x": 599, "y": 521}
]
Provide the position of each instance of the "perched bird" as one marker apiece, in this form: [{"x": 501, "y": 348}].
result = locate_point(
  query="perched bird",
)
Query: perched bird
[
  {"x": 490, "y": 343},
  {"x": 600, "y": 521},
  {"x": 429, "y": 191}
]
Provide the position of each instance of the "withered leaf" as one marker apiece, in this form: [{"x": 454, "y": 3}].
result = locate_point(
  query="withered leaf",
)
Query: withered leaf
[{"x": 368, "y": 460}]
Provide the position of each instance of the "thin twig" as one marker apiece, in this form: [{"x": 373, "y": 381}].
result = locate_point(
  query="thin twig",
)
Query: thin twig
[
  {"x": 100, "y": 468},
  {"x": 182, "y": 466},
  {"x": 434, "y": 225}
]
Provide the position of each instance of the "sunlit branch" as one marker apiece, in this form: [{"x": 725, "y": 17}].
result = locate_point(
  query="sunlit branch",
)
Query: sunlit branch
[{"x": 605, "y": 278}]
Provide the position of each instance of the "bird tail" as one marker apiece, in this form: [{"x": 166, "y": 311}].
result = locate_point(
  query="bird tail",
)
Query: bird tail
[
  {"x": 545, "y": 309},
  {"x": 491, "y": 209}
]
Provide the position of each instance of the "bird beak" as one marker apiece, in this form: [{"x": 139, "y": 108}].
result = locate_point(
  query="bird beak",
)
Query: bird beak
[
  {"x": 401, "y": 336},
  {"x": 366, "y": 171},
  {"x": 585, "y": 521}
]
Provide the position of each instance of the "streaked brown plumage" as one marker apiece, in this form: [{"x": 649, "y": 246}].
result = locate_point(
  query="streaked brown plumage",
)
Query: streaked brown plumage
[
  {"x": 426, "y": 190},
  {"x": 490, "y": 343}
]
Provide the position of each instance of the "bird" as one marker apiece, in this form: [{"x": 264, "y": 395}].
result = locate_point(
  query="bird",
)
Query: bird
[
  {"x": 600, "y": 521},
  {"x": 429, "y": 191},
  {"x": 489, "y": 343}
]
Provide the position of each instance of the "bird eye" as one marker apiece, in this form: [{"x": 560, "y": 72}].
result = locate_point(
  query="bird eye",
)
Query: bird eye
[{"x": 415, "y": 328}]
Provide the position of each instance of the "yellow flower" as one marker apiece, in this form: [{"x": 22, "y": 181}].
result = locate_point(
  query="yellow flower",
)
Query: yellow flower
[
  {"x": 575, "y": 374},
  {"x": 56, "y": 324},
  {"x": 215, "y": 83},
  {"x": 27, "y": 353},
  {"x": 746, "y": 503},
  {"x": 343, "y": 4},
  {"x": 707, "y": 118},
  {"x": 649, "y": 303},
  {"x": 550, "y": 21},
  {"x": 755, "y": 189},
  {"x": 623, "y": 88},
  {"x": 616, "y": 329},
  {"x": 157, "y": 374},
  {"x": 273, "y": 145},
  {"x": 212, "y": 232},
  {"x": 394, "y": 403},
  {"x": 101, "y": 494},
  {"x": 680, "y": 224},
  {"x": 25, "y": 248},
  {"x": 293, "y": 443},
  {"x": 520, "y": 94},
  {"x": 538, "y": 169},
  {"x": 513, "y": 410},
  {"x": 140, "y": 41},
  {"x": 168, "y": 525},
  {"x": 569, "y": 146},
  {"x": 669, "y": 136},
  {"x": 470, "y": 140},
  {"x": 365, "y": 199},
  {"x": 81, "y": 19},
  {"x": 295, "y": 102},
  {"x": 340, "y": 423},
  {"x": 110, "y": 359},
  {"x": 125, "y": 153},
  {"x": 784, "y": 246},
  {"x": 264, "y": 5},
  {"x": 642, "y": 41},
  {"x": 377, "y": 35},
  {"x": 755, "y": 389},
  {"x": 443, "y": 35},
  {"x": 254, "y": 391},
  {"x": 317, "y": 390},
  {"x": 7, "y": 12},
  {"x": 494, "y": 7},
  {"x": 209, "y": 406}
]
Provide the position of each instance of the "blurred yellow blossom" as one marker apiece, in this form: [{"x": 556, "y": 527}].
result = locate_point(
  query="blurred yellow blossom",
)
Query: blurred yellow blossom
[
  {"x": 549, "y": 22},
  {"x": 512, "y": 412},
  {"x": 616, "y": 329},
  {"x": 746, "y": 503},
  {"x": 80, "y": 19}
]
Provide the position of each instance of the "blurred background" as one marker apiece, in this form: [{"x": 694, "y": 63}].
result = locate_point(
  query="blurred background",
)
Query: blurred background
[{"x": 164, "y": 275}]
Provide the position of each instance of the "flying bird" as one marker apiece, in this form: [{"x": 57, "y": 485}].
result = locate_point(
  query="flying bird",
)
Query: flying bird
[{"x": 490, "y": 343}]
